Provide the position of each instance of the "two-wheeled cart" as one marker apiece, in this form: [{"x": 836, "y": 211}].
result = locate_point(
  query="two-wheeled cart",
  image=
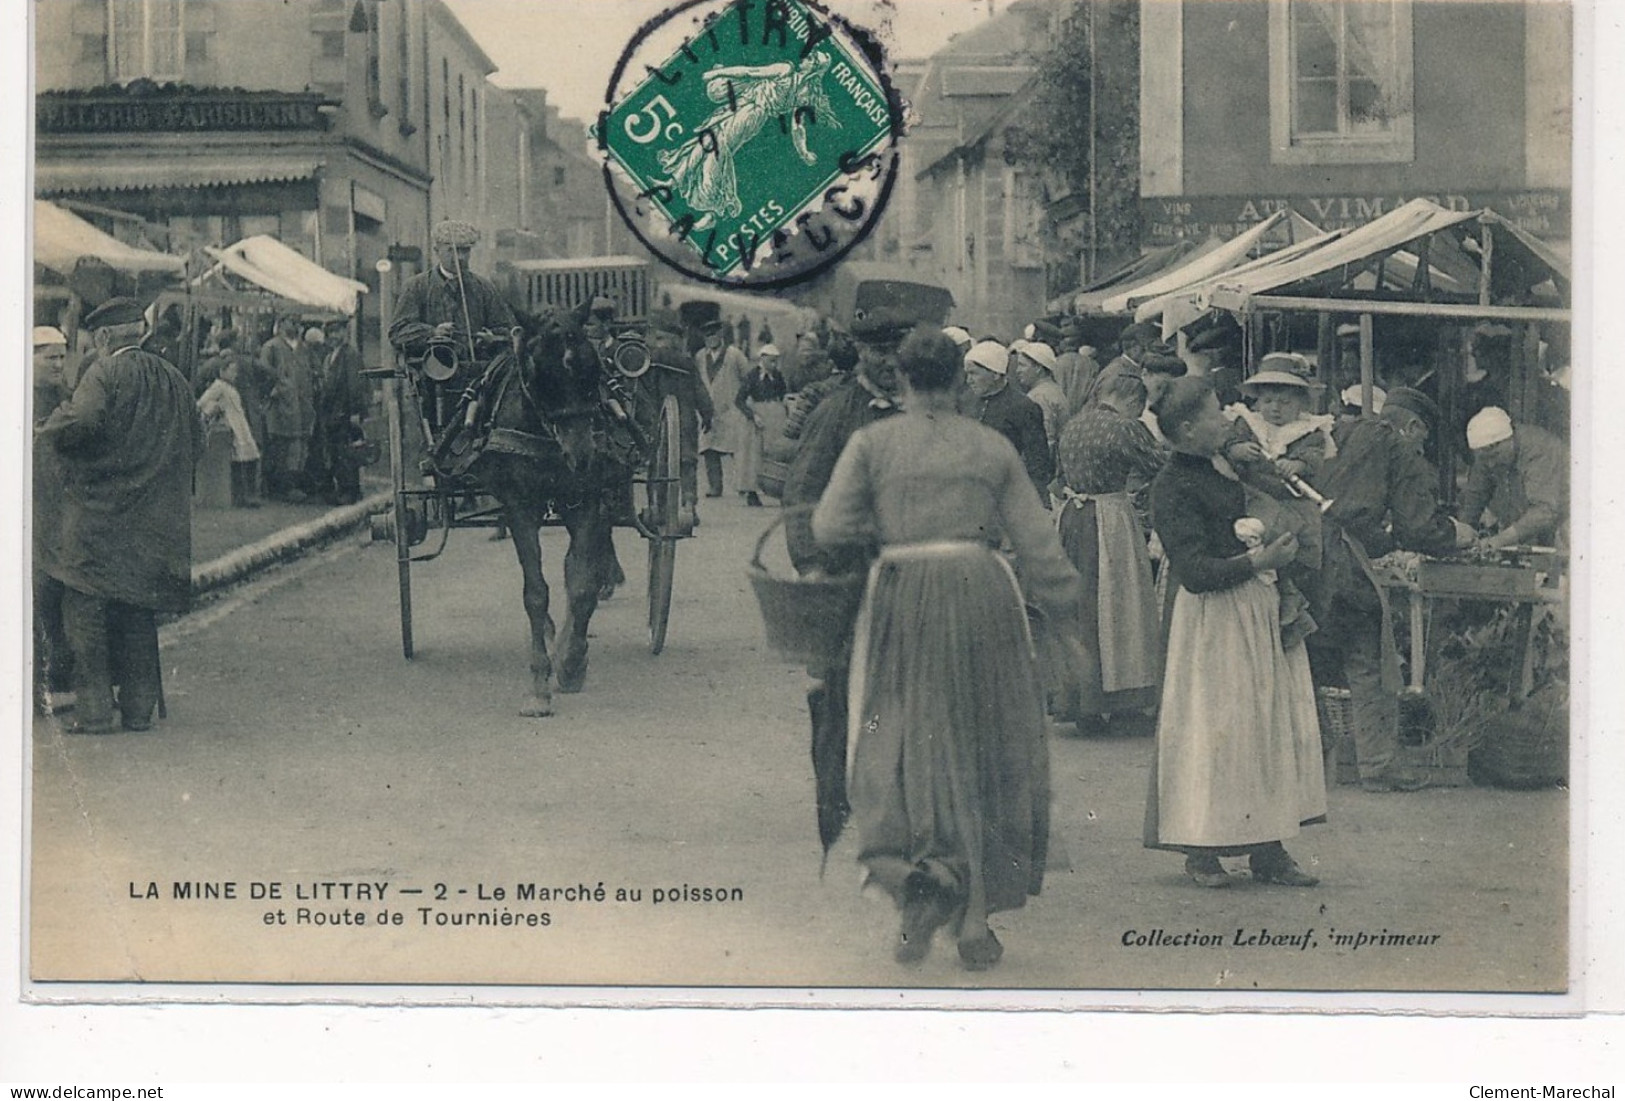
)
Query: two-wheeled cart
[{"x": 427, "y": 503}]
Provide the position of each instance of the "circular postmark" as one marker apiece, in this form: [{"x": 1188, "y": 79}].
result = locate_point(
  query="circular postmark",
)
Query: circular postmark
[{"x": 750, "y": 143}]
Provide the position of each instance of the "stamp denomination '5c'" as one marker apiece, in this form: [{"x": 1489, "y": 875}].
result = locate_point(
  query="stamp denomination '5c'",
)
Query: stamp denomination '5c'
[{"x": 758, "y": 149}]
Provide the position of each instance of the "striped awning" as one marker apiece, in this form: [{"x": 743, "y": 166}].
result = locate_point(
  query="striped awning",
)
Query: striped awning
[{"x": 144, "y": 174}]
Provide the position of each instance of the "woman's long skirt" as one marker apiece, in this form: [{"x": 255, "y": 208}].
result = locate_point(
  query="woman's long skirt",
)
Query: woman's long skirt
[
  {"x": 772, "y": 416},
  {"x": 1122, "y": 644},
  {"x": 1238, "y": 745},
  {"x": 949, "y": 767}
]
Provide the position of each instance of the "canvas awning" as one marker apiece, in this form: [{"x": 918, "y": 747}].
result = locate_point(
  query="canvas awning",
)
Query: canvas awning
[
  {"x": 1381, "y": 260},
  {"x": 62, "y": 239},
  {"x": 1209, "y": 263},
  {"x": 1178, "y": 308},
  {"x": 1138, "y": 271},
  {"x": 268, "y": 263},
  {"x": 140, "y": 174}
]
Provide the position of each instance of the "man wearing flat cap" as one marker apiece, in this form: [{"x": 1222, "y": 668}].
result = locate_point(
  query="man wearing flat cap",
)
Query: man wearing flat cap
[
  {"x": 1385, "y": 497},
  {"x": 126, "y": 440},
  {"x": 448, "y": 303},
  {"x": 863, "y": 397},
  {"x": 1520, "y": 475}
]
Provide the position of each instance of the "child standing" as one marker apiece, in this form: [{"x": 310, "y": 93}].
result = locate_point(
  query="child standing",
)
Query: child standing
[
  {"x": 1277, "y": 439},
  {"x": 221, "y": 403}
]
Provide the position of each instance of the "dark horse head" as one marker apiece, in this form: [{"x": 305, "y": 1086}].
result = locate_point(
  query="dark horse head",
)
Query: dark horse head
[{"x": 559, "y": 380}]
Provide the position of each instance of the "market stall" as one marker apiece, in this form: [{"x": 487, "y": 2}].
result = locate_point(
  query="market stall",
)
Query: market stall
[
  {"x": 256, "y": 278},
  {"x": 77, "y": 267},
  {"x": 1495, "y": 623}
]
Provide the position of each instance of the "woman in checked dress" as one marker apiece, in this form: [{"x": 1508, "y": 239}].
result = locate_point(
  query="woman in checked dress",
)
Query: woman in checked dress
[{"x": 949, "y": 768}]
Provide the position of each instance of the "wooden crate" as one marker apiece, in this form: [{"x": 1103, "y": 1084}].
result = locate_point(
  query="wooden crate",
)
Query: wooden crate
[
  {"x": 1479, "y": 581},
  {"x": 1446, "y": 768}
]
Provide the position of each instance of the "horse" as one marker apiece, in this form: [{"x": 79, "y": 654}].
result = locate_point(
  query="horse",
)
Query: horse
[{"x": 561, "y": 434}]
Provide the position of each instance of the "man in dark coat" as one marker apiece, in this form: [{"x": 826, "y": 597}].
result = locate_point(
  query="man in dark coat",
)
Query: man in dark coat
[
  {"x": 1385, "y": 496},
  {"x": 430, "y": 307},
  {"x": 333, "y": 469},
  {"x": 680, "y": 376},
  {"x": 127, "y": 440},
  {"x": 1134, "y": 342},
  {"x": 290, "y": 412},
  {"x": 993, "y": 401},
  {"x": 862, "y": 398}
]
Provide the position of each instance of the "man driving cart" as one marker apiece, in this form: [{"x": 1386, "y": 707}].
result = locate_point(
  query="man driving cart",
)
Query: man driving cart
[{"x": 440, "y": 311}]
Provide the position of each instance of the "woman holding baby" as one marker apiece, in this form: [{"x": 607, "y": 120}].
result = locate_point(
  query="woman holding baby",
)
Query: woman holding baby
[{"x": 1238, "y": 766}]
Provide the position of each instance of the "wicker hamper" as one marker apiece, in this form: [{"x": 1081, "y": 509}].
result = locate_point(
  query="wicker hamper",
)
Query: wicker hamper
[
  {"x": 807, "y": 619},
  {"x": 1527, "y": 746}
]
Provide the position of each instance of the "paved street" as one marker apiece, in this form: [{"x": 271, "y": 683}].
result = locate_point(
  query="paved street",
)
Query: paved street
[{"x": 302, "y": 750}]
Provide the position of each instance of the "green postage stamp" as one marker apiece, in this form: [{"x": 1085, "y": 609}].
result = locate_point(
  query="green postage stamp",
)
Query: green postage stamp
[{"x": 756, "y": 149}]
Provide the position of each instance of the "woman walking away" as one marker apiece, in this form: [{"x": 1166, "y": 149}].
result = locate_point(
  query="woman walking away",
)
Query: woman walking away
[
  {"x": 1238, "y": 766},
  {"x": 949, "y": 766}
]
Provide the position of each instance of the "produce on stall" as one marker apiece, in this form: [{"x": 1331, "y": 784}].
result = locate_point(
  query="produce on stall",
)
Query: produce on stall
[{"x": 1446, "y": 275}]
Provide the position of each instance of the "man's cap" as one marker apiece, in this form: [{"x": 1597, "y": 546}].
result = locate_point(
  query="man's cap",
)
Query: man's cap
[
  {"x": 116, "y": 311},
  {"x": 1488, "y": 427},
  {"x": 1141, "y": 332},
  {"x": 1163, "y": 360},
  {"x": 1208, "y": 338},
  {"x": 1413, "y": 401},
  {"x": 1040, "y": 353},
  {"x": 713, "y": 328},
  {"x": 455, "y": 234},
  {"x": 958, "y": 336},
  {"x": 881, "y": 327},
  {"x": 1275, "y": 378},
  {"x": 768, "y": 350},
  {"x": 48, "y": 334},
  {"x": 1379, "y": 396},
  {"x": 990, "y": 354}
]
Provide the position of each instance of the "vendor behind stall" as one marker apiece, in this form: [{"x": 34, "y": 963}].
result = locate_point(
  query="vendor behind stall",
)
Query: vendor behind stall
[
  {"x": 1520, "y": 474},
  {"x": 1384, "y": 495}
]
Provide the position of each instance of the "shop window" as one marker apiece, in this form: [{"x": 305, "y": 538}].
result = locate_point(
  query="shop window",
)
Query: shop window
[
  {"x": 146, "y": 38},
  {"x": 1341, "y": 82}
]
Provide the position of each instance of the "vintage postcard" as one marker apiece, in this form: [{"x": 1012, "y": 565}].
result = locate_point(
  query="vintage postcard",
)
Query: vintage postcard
[{"x": 1055, "y": 503}]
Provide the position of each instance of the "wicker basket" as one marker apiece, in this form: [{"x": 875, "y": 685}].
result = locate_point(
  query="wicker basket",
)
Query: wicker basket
[
  {"x": 1442, "y": 766},
  {"x": 770, "y": 479},
  {"x": 1527, "y": 746},
  {"x": 807, "y": 620}
]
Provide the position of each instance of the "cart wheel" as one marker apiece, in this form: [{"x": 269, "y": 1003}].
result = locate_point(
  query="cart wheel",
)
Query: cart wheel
[
  {"x": 665, "y": 506},
  {"x": 662, "y": 565},
  {"x": 401, "y": 515}
]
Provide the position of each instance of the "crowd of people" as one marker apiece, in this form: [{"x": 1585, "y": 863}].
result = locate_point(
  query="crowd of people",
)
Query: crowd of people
[
  {"x": 119, "y": 432},
  {"x": 1165, "y": 544},
  {"x": 294, "y": 405},
  {"x": 1192, "y": 560}
]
